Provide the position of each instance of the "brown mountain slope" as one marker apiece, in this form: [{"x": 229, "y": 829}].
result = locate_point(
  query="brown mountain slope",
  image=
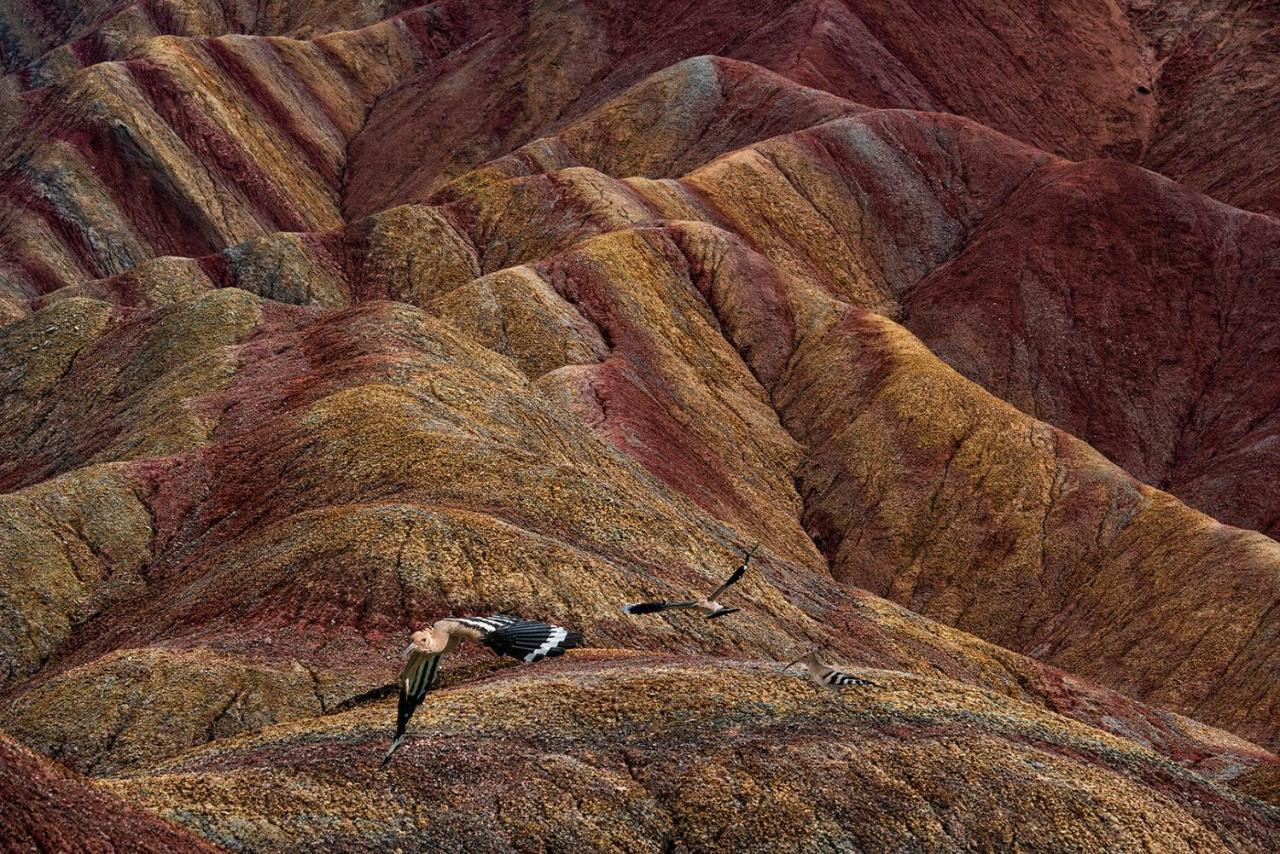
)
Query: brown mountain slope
[
  {"x": 643, "y": 754},
  {"x": 347, "y": 319},
  {"x": 194, "y": 144},
  {"x": 1214, "y": 123},
  {"x": 880, "y": 423},
  {"x": 47, "y": 808},
  {"x": 403, "y": 458},
  {"x": 1160, "y": 351},
  {"x": 44, "y": 41},
  {"x": 457, "y": 84},
  {"x": 1142, "y": 320},
  {"x": 1159, "y": 83},
  {"x": 703, "y": 427},
  {"x": 521, "y": 92}
]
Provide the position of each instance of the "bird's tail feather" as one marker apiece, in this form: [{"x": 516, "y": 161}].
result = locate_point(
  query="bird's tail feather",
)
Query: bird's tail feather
[{"x": 840, "y": 679}]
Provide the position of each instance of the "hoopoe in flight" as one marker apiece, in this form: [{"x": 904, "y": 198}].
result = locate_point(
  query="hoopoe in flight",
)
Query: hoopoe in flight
[
  {"x": 527, "y": 640},
  {"x": 708, "y": 606}
]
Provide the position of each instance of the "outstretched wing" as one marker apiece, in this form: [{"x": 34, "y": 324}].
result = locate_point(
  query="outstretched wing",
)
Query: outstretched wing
[
  {"x": 655, "y": 607},
  {"x": 527, "y": 640},
  {"x": 484, "y": 625},
  {"x": 736, "y": 577},
  {"x": 723, "y": 612},
  {"x": 416, "y": 679}
]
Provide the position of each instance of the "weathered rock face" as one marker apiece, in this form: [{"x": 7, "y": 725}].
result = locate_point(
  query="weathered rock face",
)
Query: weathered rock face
[
  {"x": 144, "y": 145},
  {"x": 320, "y": 324},
  {"x": 45, "y": 40},
  {"x": 1262, "y": 783},
  {"x": 1209, "y": 128}
]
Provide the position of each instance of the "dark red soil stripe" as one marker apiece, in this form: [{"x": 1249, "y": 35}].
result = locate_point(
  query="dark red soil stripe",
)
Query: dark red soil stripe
[{"x": 281, "y": 115}]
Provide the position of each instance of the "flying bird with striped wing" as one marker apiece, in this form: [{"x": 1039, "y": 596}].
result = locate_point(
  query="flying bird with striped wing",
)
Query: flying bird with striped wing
[
  {"x": 708, "y": 606},
  {"x": 527, "y": 640}
]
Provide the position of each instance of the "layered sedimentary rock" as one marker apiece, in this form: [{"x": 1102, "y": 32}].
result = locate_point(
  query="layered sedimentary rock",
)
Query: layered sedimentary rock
[
  {"x": 323, "y": 324},
  {"x": 1262, "y": 783},
  {"x": 190, "y": 123},
  {"x": 1170, "y": 376},
  {"x": 191, "y": 145}
]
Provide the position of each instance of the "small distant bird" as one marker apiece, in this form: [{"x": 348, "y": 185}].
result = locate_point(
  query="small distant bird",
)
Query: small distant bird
[
  {"x": 828, "y": 677},
  {"x": 708, "y": 606},
  {"x": 527, "y": 640}
]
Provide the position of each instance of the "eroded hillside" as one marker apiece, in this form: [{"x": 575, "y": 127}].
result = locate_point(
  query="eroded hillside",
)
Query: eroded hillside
[{"x": 324, "y": 323}]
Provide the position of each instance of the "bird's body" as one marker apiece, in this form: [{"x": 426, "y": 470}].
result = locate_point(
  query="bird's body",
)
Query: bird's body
[
  {"x": 827, "y": 676},
  {"x": 713, "y": 609},
  {"x": 709, "y": 606},
  {"x": 528, "y": 640}
]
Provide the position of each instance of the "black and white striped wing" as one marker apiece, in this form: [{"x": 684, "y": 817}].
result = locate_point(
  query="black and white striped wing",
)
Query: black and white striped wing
[
  {"x": 737, "y": 574},
  {"x": 484, "y": 625},
  {"x": 416, "y": 679},
  {"x": 527, "y": 640},
  {"x": 840, "y": 679}
]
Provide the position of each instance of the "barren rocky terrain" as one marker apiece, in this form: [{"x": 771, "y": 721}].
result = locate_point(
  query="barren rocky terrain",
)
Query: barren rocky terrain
[{"x": 322, "y": 321}]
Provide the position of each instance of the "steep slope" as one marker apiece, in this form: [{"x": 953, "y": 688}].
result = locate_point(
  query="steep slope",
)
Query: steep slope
[
  {"x": 1068, "y": 540},
  {"x": 50, "y": 809},
  {"x": 505, "y": 91},
  {"x": 358, "y": 470},
  {"x": 1161, "y": 84},
  {"x": 627, "y": 310},
  {"x": 1159, "y": 351},
  {"x": 1100, "y": 308},
  {"x": 1262, "y": 783},
  {"x": 1215, "y": 122},
  {"x": 195, "y": 144},
  {"x": 44, "y": 42},
  {"x": 999, "y": 525},
  {"x": 464, "y": 83}
]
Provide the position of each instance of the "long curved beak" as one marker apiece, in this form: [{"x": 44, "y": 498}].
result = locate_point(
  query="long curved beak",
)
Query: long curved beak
[
  {"x": 801, "y": 658},
  {"x": 792, "y": 664},
  {"x": 408, "y": 649}
]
